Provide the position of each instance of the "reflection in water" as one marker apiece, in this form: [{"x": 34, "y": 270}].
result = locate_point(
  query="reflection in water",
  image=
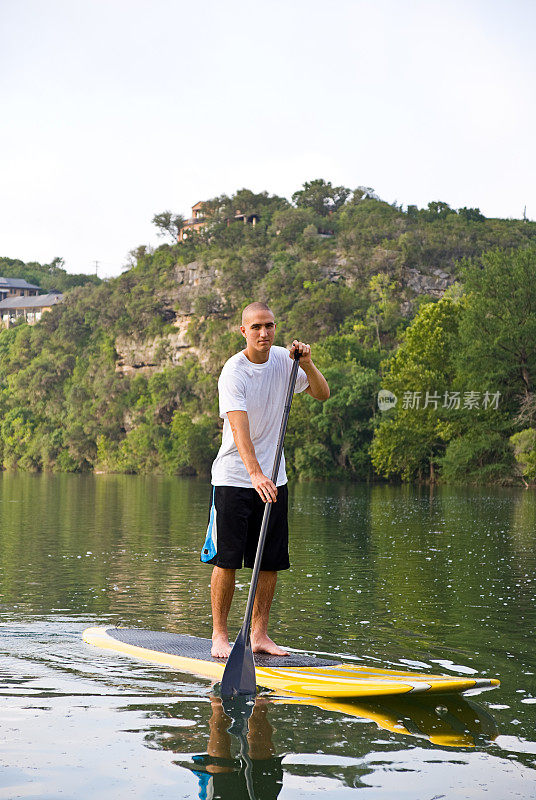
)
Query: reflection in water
[
  {"x": 445, "y": 720},
  {"x": 255, "y": 772}
]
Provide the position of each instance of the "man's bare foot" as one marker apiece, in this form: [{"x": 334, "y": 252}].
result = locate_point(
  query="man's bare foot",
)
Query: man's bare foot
[
  {"x": 263, "y": 644},
  {"x": 220, "y": 646}
]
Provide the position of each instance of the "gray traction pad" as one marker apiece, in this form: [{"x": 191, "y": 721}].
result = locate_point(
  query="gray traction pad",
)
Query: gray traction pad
[{"x": 177, "y": 644}]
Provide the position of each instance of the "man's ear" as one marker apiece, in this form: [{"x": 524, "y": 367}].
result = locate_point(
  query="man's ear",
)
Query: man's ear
[{"x": 243, "y": 331}]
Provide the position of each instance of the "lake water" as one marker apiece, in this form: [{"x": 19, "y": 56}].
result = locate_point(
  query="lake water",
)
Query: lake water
[{"x": 436, "y": 581}]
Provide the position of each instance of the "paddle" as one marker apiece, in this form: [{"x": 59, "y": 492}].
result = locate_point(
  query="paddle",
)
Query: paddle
[{"x": 239, "y": 674}]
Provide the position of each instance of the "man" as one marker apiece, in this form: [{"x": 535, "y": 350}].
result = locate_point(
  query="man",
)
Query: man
[{"x": 252, "y": 390}]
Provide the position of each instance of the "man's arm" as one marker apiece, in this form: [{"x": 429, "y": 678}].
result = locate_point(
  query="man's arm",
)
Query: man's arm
[
  {"x": 239, "y": 422},
  {"x": 318, "y": 385}
]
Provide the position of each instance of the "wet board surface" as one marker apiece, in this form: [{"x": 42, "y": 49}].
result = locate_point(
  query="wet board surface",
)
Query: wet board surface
[
  {"x": 177, "y": 644},
  {"x": 297, "y": 673}
]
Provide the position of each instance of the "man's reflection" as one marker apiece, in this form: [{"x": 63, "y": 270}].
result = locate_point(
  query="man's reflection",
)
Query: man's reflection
[{"x": 256, "y": 772}]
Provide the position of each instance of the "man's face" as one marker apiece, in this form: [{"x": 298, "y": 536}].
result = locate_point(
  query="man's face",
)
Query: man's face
[{"x": 258, "y": 329}]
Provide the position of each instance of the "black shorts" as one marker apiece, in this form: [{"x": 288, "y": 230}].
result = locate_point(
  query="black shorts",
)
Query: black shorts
[{"x": 234, "y": 525}]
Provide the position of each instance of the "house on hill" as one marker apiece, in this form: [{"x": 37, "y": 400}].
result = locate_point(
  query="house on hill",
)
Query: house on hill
[
  {"x": 29, "y": 308},
  {"x": 194, "y": 223},
  {"x": 199, "y": 219},
  {"x": 17, "y": 287}
]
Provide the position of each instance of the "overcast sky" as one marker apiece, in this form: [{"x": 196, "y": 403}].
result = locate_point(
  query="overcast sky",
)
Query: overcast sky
[{"x": 114, "y": 110}]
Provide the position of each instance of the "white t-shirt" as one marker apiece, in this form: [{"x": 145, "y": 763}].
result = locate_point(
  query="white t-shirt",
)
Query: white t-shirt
[{"x": 259, "y": 389}]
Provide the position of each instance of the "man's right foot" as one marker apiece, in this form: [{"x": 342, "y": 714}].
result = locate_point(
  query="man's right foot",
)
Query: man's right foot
[{"x": 220, "y": 647}]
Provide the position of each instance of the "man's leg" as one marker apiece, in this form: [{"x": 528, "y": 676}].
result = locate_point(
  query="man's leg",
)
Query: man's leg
[
  {"x": 222, "y": 587},
  {"x": 260, "y": 641}
]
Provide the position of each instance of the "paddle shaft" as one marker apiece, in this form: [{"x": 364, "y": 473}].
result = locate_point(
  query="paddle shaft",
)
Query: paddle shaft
[{"x": 268, "y": 506}]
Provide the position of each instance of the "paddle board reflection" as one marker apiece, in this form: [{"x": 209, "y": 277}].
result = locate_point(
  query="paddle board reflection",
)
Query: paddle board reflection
[{"x": 444, "y": 720}]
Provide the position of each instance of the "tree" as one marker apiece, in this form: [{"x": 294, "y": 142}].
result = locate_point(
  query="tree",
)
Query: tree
[
  {"x": 137, "y": 255},
  {"x": 438, "y": 210},
  {"x": 247, "y": 202},
  {"x": 524, "y": 446},
  {"x": 364, "y": 193},
  {"x": 498, "y": 324},
  {"x": 383, "y": 313},
  {"x": 410, "y": 440},
  {"x": 471, "y": 214},
  {"x": 168, "y": 224},
  {"x": 496, "y": 357},
  {"x": 244, "y": 201},
  {"x": 478, "y": 450},
  {"x": 321, "y": 196},
  {"x": 290, "y": 223},
  {"x": 333, "y": 438},
  {"x": 194, "y": 443}
]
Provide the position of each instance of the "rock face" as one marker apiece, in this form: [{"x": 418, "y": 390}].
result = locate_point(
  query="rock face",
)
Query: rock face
[
  {"x": 434, "y": 284},
  {"x": 196, "y": 280},
  {"x": 146, "y": 356},
  {"x": 191, "y": 282},
  {"x": 194, "y": 275}
]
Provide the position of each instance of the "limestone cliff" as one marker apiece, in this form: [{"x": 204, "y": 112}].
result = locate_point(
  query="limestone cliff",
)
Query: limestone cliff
[{"x": 194, "y": 290}]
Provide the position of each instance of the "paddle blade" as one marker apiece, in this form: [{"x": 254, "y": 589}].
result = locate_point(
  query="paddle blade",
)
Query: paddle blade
[{"x": 239, "y": 674}]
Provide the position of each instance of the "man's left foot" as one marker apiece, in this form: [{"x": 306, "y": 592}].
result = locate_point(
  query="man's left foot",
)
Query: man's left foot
[{"x": 263, "y": 644}]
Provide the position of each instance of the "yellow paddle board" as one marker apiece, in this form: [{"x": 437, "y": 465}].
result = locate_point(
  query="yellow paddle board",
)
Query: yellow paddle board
[{"x": 296, "y": 673}]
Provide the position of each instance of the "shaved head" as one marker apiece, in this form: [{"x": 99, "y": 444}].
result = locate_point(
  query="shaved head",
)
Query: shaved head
[
  {"x": 258, "y": 329},
  {"x": 252, "y": 309}
]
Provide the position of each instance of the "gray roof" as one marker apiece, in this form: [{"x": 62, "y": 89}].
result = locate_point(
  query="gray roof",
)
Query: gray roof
[
  {"x": 41, "y": 301},
  {"x": 16, "y": 283}
]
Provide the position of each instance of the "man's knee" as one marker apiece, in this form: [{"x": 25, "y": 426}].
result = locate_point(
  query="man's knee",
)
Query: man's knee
[{"x": 224, "y": 573}]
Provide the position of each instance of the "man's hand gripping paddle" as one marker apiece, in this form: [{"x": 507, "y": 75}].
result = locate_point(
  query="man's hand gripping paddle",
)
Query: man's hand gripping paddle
[{"x": 239, "y": 674}]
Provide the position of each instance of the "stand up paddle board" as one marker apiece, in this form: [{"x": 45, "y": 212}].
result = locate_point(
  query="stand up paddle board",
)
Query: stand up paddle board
[{"x": 295, "y": 673}]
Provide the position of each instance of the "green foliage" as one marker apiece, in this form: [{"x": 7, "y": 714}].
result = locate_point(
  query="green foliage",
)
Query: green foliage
[
  {"x": 243, "y": 202},
  {"x": 411, "y": 438},
  {"x": 487, "y": 349},
  {"x": 383, "y": 316},
  {"x": 498, "y": 327},
  {"x": 168, "y": 224},
  {"x": 524, "y": 447},
  {"x": 471, "y": 214},
  {"x": 480, "y": 454},
  {"x": 334, "y": 268},
  {"x": 291, "y": 223},
  {"x": 437, "y": 210},
  {"x": 369, "y": 223},
  {"x": 194, "y": 444},
  {"x": 17, "y": 431},
  {"x": 48, "y": 277},
  {"x": 321, "y": 197},
  {"x": 332, "y": 439}
]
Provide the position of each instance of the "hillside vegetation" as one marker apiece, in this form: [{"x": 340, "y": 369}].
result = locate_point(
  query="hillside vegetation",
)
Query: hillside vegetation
[
  {"x": 49, "y": 277},
  {"x": 123, "y": 375}
]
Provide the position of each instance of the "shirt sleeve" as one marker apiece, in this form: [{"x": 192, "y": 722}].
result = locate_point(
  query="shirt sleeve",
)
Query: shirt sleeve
[
  {"x": 302, "y": 381},
  {"x": 232, "y": 392}
]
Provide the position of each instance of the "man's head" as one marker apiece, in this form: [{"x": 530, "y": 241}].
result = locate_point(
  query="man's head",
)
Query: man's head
[{"x": 258, "y": 329}]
